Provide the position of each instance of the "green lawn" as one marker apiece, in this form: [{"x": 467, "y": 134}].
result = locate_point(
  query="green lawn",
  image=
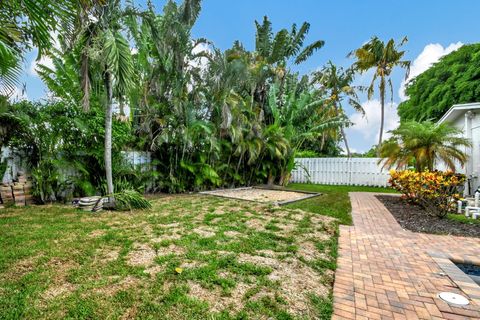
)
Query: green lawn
[
  {"x": 461, "y": 218},
  {"x": 237, "y": 259},
  {"x": 333, "y": 202}
]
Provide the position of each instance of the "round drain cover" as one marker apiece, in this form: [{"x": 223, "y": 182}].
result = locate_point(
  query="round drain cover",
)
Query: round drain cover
[{"x": 454, "y": 298}]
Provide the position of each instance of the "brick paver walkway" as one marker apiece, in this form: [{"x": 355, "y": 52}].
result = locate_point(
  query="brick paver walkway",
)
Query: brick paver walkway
[{"x": 385, "y": 272}]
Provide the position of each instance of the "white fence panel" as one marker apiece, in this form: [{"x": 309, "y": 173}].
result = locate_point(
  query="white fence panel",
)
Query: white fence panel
[
  {"x": 139, "y": 159},
  {"x": 340, "y": 171}
]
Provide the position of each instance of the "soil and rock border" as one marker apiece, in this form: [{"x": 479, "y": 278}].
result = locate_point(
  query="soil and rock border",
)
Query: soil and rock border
[{"x": 414, "y": 218}]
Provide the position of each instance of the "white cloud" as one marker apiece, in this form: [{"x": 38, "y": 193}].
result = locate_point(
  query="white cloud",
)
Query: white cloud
[
  {"x": 46, "y": 61},
  {"x": 18, "y": 95},
  {"x": 368, "y": 127},
  {"x": 202, "y": 62},
  {"x": 431, "y": 53}
]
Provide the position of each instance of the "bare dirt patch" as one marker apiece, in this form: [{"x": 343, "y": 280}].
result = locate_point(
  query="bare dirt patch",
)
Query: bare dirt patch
[
  {"x": 170, "y": 249},
  {"x": 267, "y": 253},
  {"x": 171, "y": 226},
  {"x": 131, "y": 313},
  {"x": 259, "y": 195},
  {"x": 287, "y": 226}
]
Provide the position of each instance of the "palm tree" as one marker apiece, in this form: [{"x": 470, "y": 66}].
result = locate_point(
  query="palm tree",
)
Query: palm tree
[
  {"x": 337, "y": 84},
  {"x": 105, "y": 52},
  {"x": 10, "y": 121},
  {"x": 30, "y": 24},
  {"x": 383, "y": 58},
  {"x": 422, "y": 143},
  {"x": 271, "y": 56},
  {"x": 303, "y": 116}
]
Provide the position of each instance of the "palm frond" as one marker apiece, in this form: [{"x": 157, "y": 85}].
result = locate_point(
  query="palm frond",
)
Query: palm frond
[{"x": 308, "y": 51}]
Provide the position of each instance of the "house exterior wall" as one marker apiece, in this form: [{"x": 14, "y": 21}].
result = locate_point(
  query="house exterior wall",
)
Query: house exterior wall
[
  {"x": 460, "y": 124},
  {"x": 472, "y": 168},
  {"x": 475, "y": 155}
]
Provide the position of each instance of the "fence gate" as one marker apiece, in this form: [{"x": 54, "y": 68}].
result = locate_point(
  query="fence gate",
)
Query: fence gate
[{"x": 346, "y": 171}]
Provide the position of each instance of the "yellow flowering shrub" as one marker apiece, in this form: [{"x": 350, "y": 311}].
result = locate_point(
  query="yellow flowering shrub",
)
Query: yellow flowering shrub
[{"x": 436, "y": 191}]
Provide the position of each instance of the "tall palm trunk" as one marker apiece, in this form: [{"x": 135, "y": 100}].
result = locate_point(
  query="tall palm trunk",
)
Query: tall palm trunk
[
  {"x": 344, "y": 137},
  {"x": 108, "y": 133},
  {"x": 382, "y": 115},
  {"x": 342, "y": 131}
]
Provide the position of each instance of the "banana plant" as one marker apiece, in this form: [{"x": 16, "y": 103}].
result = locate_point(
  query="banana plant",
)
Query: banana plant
[{"x": 302, "y": 117}]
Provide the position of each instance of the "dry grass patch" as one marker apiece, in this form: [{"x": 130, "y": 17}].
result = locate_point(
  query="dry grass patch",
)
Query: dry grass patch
[
  {"x": 218, "y": 301},
  {"x": 141, "y": 255},
  {"x": 96, "y": 233},
  {"x": 204, "y": 232},
  {"x": 232, "y": 233},
  {"x": 106, "y": 255},
  {"x": 118, "y": 284},
  {"x": 59, "y": 282},
  {"x": 297, "y": 281},
  {"x": 236, "y": 258}
]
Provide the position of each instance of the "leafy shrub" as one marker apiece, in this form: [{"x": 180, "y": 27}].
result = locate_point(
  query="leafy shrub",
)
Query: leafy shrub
[
  {"x": 307, "y": 154},
  {"x": 129, "y": 200},
  {"x": 436, "y": 191}
]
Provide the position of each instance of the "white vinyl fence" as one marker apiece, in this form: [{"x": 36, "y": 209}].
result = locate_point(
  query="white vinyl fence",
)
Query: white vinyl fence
[
  {"x": 344, "y": 171},
  {"x": 139, "y": 159}
]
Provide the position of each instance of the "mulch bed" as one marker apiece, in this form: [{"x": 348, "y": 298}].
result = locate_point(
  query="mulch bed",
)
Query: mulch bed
[{"x": 414, "y": 218}]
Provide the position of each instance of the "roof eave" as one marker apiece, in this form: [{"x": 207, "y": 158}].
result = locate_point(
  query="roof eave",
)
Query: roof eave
[{"x": 458, "y": 107}]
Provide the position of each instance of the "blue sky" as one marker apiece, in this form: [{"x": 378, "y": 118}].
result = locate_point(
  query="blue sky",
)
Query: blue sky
[{"x": 433, "y": 28}]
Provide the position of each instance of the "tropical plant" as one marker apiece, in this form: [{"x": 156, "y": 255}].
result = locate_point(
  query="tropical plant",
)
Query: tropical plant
[
  {"x": 209, "y": 117},
  {"x": 437, "y": 192},
  {"x": 40, "y": 138},
  {"x": 451, "y": 80},
  {"x": 337, "y": 84},
  {"x": 382, "y": 58},
  {"x": 302, "y": 117},
  {"x": 30, "y": 24},
  {"x": 105, "y": 51},
  {"x": 209, "y": 121},
  {"x": 63, "y": 147},
  {"x": 422, "y": 144},
  {"x": 268, "y": 63},
  {"x": 130, "y": 200},
  {"x": 9, "y": 121}
]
